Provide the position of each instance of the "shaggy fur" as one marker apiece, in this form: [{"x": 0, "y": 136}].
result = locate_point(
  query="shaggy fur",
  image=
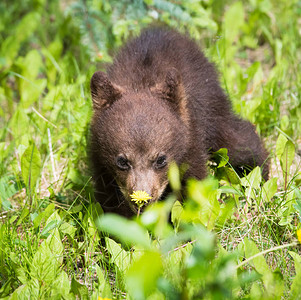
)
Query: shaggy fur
[{"x": 161, "y": 99}]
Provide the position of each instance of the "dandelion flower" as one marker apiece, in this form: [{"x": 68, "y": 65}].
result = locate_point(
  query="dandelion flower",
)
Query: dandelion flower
[
  {"x": 299, "y": 235},
  {"x": 140, "y": 197}
]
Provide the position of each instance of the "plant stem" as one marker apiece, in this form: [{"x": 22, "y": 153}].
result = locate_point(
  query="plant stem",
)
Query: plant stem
[{"x": 265, "y": 252}]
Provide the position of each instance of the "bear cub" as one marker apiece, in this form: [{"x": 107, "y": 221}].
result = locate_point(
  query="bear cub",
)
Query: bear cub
[{"x": 160, "y": 101}]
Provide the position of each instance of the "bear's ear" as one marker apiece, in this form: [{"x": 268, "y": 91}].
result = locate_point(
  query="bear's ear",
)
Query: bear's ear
[
  {"x": 172, "y": 88},
  {"x": 103, "y": 91}
]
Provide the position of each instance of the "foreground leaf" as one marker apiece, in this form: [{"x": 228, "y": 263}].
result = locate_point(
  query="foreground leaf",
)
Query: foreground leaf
[
  {"x": 142, "y": 277},
  {"x": 31, "y": 166},
  {"x": 127, "y": 231}
]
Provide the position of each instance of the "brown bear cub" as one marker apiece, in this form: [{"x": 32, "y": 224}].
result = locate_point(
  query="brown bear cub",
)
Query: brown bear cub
[{"x": 160, "y": 102}]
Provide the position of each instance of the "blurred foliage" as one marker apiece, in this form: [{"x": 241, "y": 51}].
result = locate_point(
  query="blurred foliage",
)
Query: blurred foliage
[{"x": 50, "y": 243}]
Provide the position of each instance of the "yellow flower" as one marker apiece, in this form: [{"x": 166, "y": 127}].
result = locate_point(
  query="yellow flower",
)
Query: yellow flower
[
  {"x": 299, "y": 235},
  {"x": 100, "y": 298},
  {"x": 140, "y": 197}
]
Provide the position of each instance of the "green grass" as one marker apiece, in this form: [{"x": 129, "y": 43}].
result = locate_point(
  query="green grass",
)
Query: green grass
[{"x": 54, "y": 241}]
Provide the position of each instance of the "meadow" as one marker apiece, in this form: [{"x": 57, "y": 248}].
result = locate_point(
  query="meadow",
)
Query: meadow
[{"x": 232, "y": 238}]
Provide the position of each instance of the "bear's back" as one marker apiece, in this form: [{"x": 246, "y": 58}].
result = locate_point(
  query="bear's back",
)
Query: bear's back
[{"x": 144, "y": 61}]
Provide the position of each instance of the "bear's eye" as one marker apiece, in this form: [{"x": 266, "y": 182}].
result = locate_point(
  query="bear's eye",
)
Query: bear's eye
[
  {"x": 123, "y": 163},
  {"x": 161, "y": 162}
]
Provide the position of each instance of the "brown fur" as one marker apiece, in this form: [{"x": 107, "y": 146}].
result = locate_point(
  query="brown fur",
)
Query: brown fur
[{"x": 161, "y": 97}]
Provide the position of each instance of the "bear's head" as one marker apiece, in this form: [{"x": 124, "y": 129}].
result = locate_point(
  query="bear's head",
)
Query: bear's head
[{"x": 137, "y": 134}]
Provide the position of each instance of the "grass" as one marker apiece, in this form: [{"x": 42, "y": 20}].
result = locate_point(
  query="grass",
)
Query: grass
[{"x": 230, "y": 240}]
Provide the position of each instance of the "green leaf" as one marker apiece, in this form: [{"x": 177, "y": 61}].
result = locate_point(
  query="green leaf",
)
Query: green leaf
[
  {"x": 156, "y": 217},
  {"x": 228, "y": 189},
  {"x": 55, "y": 245},
  {"x": 253, "y": 179},
  {"x": 269, "y": 189},
  {"x": 221, "y": 157},
  {"x": 205, "y": 193},
  {"x": 120, "y": 257},
  {"x": 287, "y": 156},
  {"x": 297, "y": 261},
  {"x": 142, "y": 276},
  {"x": 44, "y": 265},
  {"x": 50, "y": 226},
  {"x": 280, "y": 145},
  {"x": 8, "y": 188},
  {"x": 295, "y": 291},
  {"x": 235, "y": 12},
  {"x": 118, "y": 226},
  {"x": 69, "y": 229},
  {"x": 49, "y": 210},
  {"x": 258, "y": 262},
  {"x": 176, "y": 213},
  {"x": 79, "y": 290},
  {"x": 273, "y": 281},
  {"x": 27, "y": 291},
  {"x": 174, "y": 177},
  {"x": 226, "y": 211},
  {"x": 24, "y": 214},
  {"x": 31, "y": 166},
  {"x": 18, "y": 122},
  {"x": 61, "y": 287},
  {"x": 104, "y": 288},
  {"x": 11, "y": 45}
]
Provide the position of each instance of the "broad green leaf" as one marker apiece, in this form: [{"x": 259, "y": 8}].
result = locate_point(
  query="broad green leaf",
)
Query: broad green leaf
[
  {"x": 280, "y": 145},
  {"x": 295, "y": 291},
  {"x": 205, "y": 193},
  {"x": 50, "y": 226},
  {"x": 55, "y": 245},
  {"x": 231, "y": 29},
  {"x": 286, "y": 211},
  {"x": 104, "y": 288},
  {"x": 156, "y": 217},
  {"x": 24, "y": 214},
  {"x": 31, "y": 166},
  {"x": 297, "y": 261},
  {"x": 256, "y": 291},
  {"x": 272, "y": 280},
  {"x": 287, "y": 156},
  {"x": 228, "y": 174},
  {"x": 258, "y": 262},
  {"x": 8, "y": 188},
  {"x": 221, "y": 157},
  {"x": 79, "y": 290},
  {"x": 275, "y": 286},
  {"x": 11, "y": 45},
  {"x": 125, "y": 230},
  {"x": 174, "y": 177},
  {"x": 227, "y": 189},
  {"x": 18, "y": 122},
  {"x": 176, "y": 213},
  {"x": 142, "y": 276},
  {"x": 67, "y": 228},
  {"x": 49, "y": 210},
  {"x": 27, "y": 291},
  {"x": 44, "y": 265},
  {"x": 253, "y": 179},
  {"x": 120, "y": 257},
  {"x": 61, "y": 287},
  {"x": 269, "y": 189},
  {"x": 235, "y": 12},
  {"x": 226, "y": 211}
]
